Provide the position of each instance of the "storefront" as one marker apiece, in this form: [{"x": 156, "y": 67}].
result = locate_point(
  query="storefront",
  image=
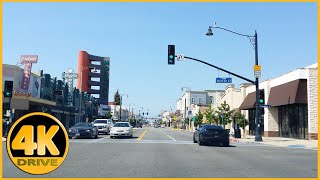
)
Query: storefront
[{"x": 293, "y": 105}]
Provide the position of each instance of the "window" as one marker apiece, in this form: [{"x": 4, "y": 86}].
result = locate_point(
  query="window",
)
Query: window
[
  {"x": 199, "y": 100},
  {"x": 192, "y": 101}
]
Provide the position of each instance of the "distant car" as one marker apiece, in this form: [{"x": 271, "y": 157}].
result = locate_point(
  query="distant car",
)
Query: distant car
[
  {"x": 156, "y": 125},
  {"x": 83, "y": 130},
  {"x": 163, "y": 125},
  {"x": 103, "y": 125},
  {"x": 121, "y": 129},
  {"x": 211, "y": 134}
]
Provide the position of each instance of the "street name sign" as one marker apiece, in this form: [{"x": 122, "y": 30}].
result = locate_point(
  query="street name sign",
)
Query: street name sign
[{"x": 223, "y": 80}]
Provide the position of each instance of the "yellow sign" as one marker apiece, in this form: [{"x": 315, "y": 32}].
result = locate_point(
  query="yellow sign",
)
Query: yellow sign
[
  {"x": 174, "y": 118},
  {"x": 37, "y": 143},
  {"x": 257, "y": 68}
]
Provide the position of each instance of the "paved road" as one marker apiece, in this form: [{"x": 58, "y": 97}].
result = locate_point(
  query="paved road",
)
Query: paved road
[{"x": 163, "y": 152}]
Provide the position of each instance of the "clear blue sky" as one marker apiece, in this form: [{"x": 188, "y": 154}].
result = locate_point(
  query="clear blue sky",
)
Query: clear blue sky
[{"x": 136, "y": 36}]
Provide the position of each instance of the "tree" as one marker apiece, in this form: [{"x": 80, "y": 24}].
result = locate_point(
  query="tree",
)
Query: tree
[
  {"x": 198, "y": 118},
  {"x": 222, "y": 116},
  {"x": 108, "y": 115},
  {"x": 186, "y": 121},
  {"x": 241, "y": 120},
  {"x": 117, "y": 98},
  {"x": 209, "y": 115}
]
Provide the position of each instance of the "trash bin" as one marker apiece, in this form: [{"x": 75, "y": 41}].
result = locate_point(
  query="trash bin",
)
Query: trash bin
[{"x": 237, "y": 133}]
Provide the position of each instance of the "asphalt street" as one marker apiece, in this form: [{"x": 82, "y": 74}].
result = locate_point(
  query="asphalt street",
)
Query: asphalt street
[{"x": 163, "y": 152}]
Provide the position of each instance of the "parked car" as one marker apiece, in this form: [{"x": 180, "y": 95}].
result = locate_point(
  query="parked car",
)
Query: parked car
[
  {"x": 163, "y": 126},
  {"x": 156, "y": 125},
  {"x": 211, "y": 134},
  {"x": 103, "y": 125},
  {"x": 83, "y": 130},
  {"x": 121, "y": 129}
]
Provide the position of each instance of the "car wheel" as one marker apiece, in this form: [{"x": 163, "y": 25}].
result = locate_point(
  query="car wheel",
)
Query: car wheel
[
  {"x": 111, "y": 137},
  {"x": 108, "y": 131},
  {"x": 226, "y": 144},
  {"x": 194, "y": 139},
  {"x": 200, "y": 142}
]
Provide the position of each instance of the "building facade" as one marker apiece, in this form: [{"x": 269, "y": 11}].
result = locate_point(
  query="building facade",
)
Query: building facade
[{"x": 293, "y": 98}]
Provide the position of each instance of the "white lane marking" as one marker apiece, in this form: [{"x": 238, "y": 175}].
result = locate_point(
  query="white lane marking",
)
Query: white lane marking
[{"x": 171, "y": 137}]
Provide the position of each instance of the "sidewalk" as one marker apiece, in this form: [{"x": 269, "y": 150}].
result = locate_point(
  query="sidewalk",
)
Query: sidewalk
[
  {"x": 279, "y": 141},
  {"x": 274, "y": 141}
]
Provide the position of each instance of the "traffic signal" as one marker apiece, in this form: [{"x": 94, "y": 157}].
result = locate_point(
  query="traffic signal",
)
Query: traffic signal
[
  {"x": 147, "y": 114},
  {"x": 8, "y": 88},
  {"x": 261, "y": 102},
  {"x": 143, "y": 113},
  {"x": 171, "y": 54}
]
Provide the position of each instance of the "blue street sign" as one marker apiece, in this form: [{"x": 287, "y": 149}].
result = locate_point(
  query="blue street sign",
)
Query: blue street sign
[
  {"x": 265, "y": 106},
  {"x": 223, "y": 80}
]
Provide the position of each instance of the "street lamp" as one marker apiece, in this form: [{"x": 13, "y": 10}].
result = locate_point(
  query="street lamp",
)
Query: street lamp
[
  {"x": 132, "y": 110},
  {"x": 139, "y": 113},
  {"x": 121, "y": 102},
  {"x": 189, "y": 89},
  {"x": 80, "y": 89},
  {"x": 254, "y": 41}
]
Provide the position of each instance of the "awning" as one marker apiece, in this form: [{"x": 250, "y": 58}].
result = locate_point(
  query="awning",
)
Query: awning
[
  {"x": 22, "y": 102},
  {"x": 293, "y": 92},
  {"x": 249, "y": 102}
]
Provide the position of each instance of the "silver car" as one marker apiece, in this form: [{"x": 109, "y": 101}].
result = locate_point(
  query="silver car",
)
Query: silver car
[
  {"x": 103, "y": 125},
  {"x": 121, "y": 129}
]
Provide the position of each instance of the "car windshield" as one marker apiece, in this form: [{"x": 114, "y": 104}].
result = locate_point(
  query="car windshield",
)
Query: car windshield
[
  {"x": 101, "y": 121},
  {"x": 82, "y": 125},
  {"x": 121, "y": 125},
  {"x": 209, "y": 127}
]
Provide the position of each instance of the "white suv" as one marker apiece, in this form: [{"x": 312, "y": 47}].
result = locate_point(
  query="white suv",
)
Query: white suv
[{"x": 103, "y": 125}]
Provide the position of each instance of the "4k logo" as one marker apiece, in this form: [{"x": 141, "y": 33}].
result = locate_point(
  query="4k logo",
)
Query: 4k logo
[{"x": 37, "y": 143}]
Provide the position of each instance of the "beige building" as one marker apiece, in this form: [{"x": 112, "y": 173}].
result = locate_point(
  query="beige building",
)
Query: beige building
[{"x": 294, "y": 105}]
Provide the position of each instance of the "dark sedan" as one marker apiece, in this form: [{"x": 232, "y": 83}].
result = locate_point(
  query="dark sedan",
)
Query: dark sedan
[
  {"x": 211, "y": 134},
  {"x": 83, "y": 130}
]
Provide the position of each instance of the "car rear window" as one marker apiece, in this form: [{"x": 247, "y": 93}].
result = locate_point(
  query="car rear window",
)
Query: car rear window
[
  {"x": 121, "y": 125},
  {"x": 212, "y": 127},
  {"x": 101, "y": 121}
]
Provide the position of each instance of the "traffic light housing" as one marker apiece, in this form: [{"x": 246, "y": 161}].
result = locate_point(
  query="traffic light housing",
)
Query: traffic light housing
[
  {"x": 171, "y": 54},
  {"x": 261, "y": 102},
  {"x": 8, "y": 88},
  {"x": 147, "y": 114}
]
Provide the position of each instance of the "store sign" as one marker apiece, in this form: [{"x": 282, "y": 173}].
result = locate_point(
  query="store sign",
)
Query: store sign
[
  {"x": 26, "y": 94},
  {"x": 27, "y": 61}
]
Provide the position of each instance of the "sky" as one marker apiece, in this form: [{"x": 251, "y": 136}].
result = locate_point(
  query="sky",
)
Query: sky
[{"x": 136, "y": 37}]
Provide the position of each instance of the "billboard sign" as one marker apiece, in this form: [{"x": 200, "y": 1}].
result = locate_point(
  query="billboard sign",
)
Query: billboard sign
[{"x": 27, "y": 61}]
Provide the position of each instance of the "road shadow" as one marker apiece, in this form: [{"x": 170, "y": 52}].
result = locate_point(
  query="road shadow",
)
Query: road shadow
[
  {"x": 218, "y": 145},
  {"x": 133, "y": 137}
]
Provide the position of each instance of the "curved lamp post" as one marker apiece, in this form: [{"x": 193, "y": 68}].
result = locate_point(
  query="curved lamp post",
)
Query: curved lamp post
[{"x": 254, "y": 41}]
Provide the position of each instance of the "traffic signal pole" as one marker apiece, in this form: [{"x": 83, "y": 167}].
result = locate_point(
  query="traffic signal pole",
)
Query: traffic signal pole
[
  {"x": 258, "y": 136},
  {"x": 256, "y": 82}
]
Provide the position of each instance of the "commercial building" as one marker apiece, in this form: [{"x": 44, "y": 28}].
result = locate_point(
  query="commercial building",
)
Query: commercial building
[
  {"x": 94, "y": 72},
  {"x": 294, "y": 104}
]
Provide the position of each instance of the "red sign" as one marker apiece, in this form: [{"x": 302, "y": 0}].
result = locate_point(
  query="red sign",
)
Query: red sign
[
  {"x": 17, "y": 93},
  {"x": 27, "y": 60}
]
